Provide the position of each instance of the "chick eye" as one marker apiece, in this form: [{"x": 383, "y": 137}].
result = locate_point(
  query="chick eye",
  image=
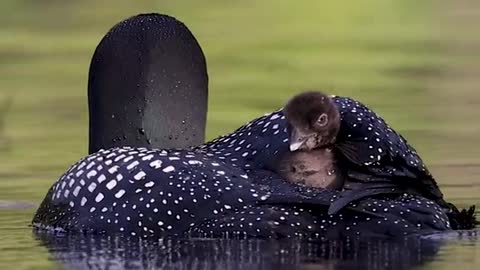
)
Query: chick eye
[{"x": 322, "y": 120}]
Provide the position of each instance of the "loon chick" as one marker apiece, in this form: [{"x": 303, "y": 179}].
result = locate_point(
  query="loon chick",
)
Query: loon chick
[
  {"x": 370, "y": 151},
  {"x": 315, "y": 164},
  {"x": 315, "y": 168},
  {"x": 313, "y": 119}
]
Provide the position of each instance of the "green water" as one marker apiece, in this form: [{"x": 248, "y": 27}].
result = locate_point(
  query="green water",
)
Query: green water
[{"x": 417, "y": 63}]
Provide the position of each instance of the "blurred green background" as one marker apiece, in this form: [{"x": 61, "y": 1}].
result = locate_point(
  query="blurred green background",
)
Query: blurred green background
[{"x": 417, "y": 63}]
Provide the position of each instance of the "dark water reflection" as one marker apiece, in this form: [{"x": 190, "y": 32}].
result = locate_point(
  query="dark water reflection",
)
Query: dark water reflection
[{"x": 81, "y": 252}]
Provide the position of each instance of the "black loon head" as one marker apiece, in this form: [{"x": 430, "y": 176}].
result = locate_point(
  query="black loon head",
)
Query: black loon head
[
  {"x": 143, "y": 74},
  {"x": 314, "y": 121}
]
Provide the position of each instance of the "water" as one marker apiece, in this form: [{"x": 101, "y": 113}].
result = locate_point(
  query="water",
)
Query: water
[
  {"x": 115, "y": 253},
  {"x": 416, "y": 63},
  {"x": 37, "y": 251}
]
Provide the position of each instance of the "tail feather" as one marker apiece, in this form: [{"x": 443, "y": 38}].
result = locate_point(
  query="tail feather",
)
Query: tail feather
[{"x": 464, "y": 219}]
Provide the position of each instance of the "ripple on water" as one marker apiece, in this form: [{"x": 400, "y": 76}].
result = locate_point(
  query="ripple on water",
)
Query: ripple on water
[{"x": 11, "y": 205}]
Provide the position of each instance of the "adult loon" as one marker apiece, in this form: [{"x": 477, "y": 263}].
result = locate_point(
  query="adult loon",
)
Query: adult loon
[{"x": 217, "y": 189}]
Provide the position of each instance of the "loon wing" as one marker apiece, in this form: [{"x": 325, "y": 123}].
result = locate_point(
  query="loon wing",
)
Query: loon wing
[
  {"x": 369, "y": 190},
  {"x": 373, "y": 150}
]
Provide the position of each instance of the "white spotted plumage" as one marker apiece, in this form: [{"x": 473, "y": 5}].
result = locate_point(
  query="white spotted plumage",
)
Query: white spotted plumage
[{"x": 199, "y": 190}]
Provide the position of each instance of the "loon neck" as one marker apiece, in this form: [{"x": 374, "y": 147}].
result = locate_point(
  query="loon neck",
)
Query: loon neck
[{"x": 148, "y": 86}]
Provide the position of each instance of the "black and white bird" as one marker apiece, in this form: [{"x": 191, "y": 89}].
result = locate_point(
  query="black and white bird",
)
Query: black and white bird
[
  {"x": 137, "y": 181},
  {"x": 217, "y": 189}
]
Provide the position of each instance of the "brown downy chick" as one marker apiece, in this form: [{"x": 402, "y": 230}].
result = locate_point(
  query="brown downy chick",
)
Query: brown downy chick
[{"x": 316, "y": 168}]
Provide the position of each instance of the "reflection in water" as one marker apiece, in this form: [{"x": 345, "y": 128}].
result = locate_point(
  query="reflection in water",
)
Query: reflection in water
[{"x": 82, "y": 252}]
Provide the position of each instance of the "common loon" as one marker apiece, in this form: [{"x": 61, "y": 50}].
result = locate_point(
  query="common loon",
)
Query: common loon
[
  {"x": 218, "y": 189},
  {"x": 143, "y": 186}
]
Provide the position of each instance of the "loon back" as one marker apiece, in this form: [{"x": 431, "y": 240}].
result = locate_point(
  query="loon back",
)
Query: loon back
[
  {"x": 374, "y": 152},
  {"x": 216, "y": 190}
]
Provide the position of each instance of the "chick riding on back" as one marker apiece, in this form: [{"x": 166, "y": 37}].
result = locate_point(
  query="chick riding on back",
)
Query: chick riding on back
[
  {"x": 372, "y": 154},
  {"x": 316, "y": 168}
]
